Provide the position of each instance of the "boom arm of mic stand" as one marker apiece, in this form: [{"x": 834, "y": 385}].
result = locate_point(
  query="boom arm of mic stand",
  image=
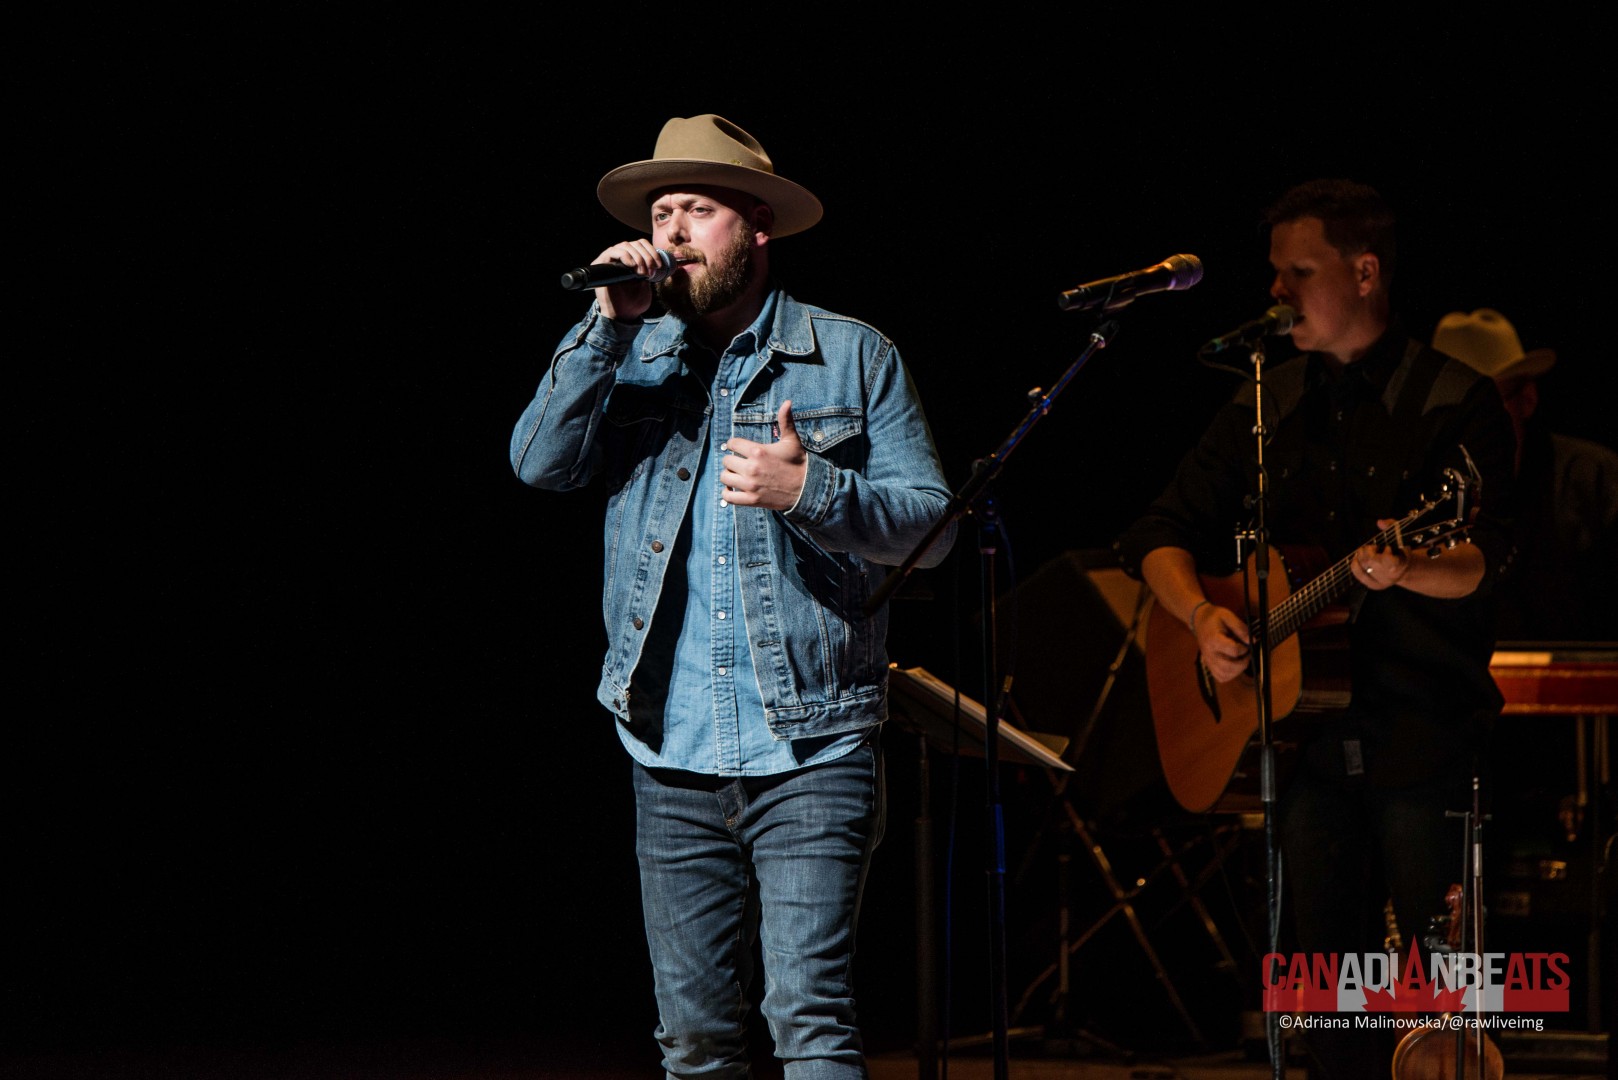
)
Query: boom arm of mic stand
[{"x": 984, "y": 470}]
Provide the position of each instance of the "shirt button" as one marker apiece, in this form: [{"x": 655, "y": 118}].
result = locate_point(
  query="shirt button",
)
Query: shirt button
[
  {"x": 724, "y": 391},
  {"x": 638, "y": 623},
  {"x": 683, "y": 473},
  {"x": 1339, "y": 414},
  {"x": 720, "y": 615},
  {"x": 721, "y": 560},
  {"x": 721, "y": 671},
  {"x": 1371, "y": 471},
  {"x": 1331, "y": 466},
  {"x": 722, "y": 502},
  {"x": 657, "y": 545}
]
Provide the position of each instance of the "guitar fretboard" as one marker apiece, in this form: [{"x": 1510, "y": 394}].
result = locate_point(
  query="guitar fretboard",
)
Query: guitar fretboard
[{"x": 1296, "y": 610}]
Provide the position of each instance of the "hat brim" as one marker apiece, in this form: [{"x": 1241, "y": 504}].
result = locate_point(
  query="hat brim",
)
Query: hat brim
[
  {"x": 627, "y": 191},
  {"x": 1532, "y": 365}
]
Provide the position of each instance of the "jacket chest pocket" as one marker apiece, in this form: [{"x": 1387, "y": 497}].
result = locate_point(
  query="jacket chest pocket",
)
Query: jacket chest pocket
[{"x": 829, "y": 430}]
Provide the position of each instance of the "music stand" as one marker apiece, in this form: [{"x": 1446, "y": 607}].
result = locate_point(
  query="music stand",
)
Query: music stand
[{"x": 930, "y": 708}]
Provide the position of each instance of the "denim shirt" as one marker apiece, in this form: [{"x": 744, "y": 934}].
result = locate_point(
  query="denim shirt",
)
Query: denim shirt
[{"x": 620, "y": 403}]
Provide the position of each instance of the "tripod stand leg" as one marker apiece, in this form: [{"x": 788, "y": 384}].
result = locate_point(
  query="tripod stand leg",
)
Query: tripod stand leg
[
  {"x": 1227, "y": 962},
  {"x": 1122, "y": 904}
]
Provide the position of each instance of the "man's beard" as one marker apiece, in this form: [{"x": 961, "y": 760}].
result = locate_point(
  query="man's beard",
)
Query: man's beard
[{"x": 724, "y": 283}]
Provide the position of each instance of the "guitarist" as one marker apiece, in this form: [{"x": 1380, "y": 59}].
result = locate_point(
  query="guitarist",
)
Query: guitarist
[{"x": 1360, "y": 425}]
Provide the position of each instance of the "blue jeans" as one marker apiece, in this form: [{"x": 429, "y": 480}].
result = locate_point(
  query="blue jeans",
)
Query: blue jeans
[{"x": 725, "y": 861}]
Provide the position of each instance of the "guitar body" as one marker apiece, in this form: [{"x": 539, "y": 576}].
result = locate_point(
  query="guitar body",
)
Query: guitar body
[{"x": 1203, "y": 727}]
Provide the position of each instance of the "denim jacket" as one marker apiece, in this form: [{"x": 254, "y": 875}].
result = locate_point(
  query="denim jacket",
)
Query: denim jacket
[{"x": 620, "y": 403}]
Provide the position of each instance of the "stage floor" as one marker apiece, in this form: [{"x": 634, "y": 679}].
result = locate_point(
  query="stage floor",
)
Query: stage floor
[{"x": 534, "y": 1061}]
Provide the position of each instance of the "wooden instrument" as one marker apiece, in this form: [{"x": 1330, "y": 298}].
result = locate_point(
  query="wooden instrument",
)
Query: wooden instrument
[{"x": 1444, "y": 1049}]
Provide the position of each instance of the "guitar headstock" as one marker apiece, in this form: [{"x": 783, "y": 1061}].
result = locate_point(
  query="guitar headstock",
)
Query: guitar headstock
[
  {"x": 1442, "y": 521},
  {"x": 1468, "y": 488}
]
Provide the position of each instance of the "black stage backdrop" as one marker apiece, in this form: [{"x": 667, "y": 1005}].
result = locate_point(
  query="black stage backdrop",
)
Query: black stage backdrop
[{"x": 305, "y": 744}]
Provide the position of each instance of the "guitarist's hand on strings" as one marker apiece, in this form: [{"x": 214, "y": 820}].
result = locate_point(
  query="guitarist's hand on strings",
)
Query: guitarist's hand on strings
[
  {"x": 1223, "y": 640},
  {"x": 1380, "y": 566}
]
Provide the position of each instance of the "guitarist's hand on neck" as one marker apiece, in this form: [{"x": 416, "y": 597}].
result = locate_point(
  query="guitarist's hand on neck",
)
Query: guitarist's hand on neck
[
  {"x": 1380, "y": 566},
  {"x": 1448, "y": 574}
]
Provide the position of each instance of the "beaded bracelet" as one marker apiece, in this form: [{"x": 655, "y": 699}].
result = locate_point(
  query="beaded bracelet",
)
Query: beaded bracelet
[{"x": 1191, "y": 619}]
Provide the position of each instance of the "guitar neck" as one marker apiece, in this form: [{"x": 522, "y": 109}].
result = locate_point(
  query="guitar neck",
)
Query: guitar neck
[{"x": 1287, "y": 617}]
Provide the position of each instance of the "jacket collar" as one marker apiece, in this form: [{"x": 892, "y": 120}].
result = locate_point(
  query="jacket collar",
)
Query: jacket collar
[{"x": 790, "y": 331}]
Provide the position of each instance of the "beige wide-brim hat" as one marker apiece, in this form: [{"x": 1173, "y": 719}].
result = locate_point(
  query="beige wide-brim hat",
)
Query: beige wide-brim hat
[
  {"x": 710, "y": 150},
  {"x": 1486, "y": 341}
]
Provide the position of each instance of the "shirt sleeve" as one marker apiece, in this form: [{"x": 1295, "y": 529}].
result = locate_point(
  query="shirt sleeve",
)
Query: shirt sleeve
[
  {"x": 1484, "y": 430},
  {"x": 553, "y": 445}
]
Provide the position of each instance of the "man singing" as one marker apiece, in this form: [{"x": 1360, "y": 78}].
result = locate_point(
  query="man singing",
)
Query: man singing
[{"x": 765, "y": 460}]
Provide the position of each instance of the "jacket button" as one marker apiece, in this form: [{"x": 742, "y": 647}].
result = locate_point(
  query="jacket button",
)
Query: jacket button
[
  {"x": 683, "y": 473},
  {"x": 639, "y": 623},
  {"x": 657, "y": 545}
]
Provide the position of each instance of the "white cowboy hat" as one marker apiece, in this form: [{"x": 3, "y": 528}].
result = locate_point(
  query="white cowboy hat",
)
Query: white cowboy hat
[{"x": 1486, "y": 341}]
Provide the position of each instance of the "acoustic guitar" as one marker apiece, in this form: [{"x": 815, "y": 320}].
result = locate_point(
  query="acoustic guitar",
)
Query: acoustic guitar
[{"x": 1203, "y": 726}]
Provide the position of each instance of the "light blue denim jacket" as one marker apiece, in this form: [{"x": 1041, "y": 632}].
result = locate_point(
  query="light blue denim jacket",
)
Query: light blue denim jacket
[{"x": 619, "y": 403}]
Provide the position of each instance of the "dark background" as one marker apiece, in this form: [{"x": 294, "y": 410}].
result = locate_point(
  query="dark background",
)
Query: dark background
[{"x": 305, "y": 744}]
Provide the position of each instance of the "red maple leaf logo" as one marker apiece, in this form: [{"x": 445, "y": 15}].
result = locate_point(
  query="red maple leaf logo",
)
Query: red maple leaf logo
[{"x": 1415, "y": 992}]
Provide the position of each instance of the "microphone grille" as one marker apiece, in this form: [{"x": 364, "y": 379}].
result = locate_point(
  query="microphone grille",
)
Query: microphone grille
[
  {"x": 1281, "y": 317},
  {"x": 1185, "y": 271}
]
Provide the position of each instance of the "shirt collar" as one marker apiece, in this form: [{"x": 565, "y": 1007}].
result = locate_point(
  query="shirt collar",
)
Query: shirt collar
[
  {"x": 1371, "y": 371},
  {"x": 783, "y": 326}
]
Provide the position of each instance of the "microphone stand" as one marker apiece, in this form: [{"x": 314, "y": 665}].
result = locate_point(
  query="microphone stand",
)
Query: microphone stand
[
  {"x": 971, "y": 498},
  {"x": 1261, "y": 688},
  {"x": 1278, "y": 320}
]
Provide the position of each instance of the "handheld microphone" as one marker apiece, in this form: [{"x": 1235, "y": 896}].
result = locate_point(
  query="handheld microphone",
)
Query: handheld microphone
[
  {"x": 1172, "y": 274},
  {"x": 611, "y": 273},
  {"x": 1276, "y": 322}
]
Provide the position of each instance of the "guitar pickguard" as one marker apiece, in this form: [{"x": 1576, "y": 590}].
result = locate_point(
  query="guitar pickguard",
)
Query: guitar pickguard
[{"x": 1210, "y": 692}]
